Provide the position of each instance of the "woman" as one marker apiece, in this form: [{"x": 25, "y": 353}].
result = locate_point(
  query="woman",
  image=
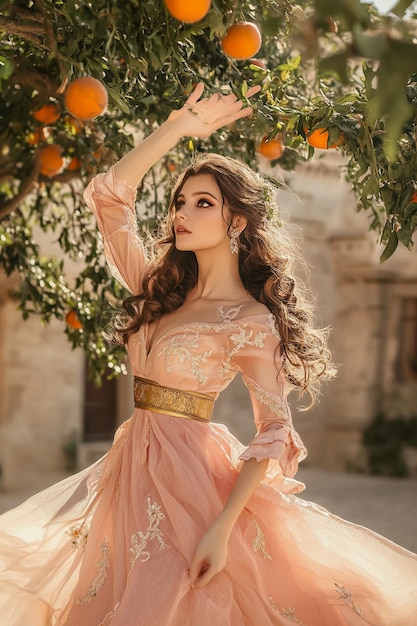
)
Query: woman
[{"x": 179, "y": 525}]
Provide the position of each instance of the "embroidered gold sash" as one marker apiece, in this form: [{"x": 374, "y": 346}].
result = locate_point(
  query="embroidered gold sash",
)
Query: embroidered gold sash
[{"x": 169, "y": 401}]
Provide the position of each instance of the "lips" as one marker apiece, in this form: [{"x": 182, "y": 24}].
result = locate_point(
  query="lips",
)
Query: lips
[{"x": 182, "y": 229}]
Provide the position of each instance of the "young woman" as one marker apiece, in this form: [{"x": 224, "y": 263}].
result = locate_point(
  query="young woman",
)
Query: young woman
[{"x": 179, "y": 525}]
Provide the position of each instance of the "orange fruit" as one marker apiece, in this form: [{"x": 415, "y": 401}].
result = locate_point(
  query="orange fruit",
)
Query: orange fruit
[
  {"x": 414, "y": 196},
  {"x": 48, "y": 113},
  {"x": 86, "y": 98},
  {"x": 271, "y": 148},
  {"x": 319, "y": 138},
  {"x": 52, "y": 161},
  {"x": 188, "y": 11},
  {"x": 36, "y": 136},
  {"x": 242, "y": 40},
  {"x": 74, "y": 164},
  {"x": 73, "y": 320}
]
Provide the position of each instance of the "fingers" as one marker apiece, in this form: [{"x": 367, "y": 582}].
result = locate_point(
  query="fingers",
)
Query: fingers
[
  {"x": 195, "y": 568},
  {"x": 204, "y": 578},
  {"x": 196, "y": 94},
  {"x": 253, "y": 90}
]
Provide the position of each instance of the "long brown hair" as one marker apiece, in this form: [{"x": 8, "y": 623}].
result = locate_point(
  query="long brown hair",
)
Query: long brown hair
[{"x": 267, "y": 257}]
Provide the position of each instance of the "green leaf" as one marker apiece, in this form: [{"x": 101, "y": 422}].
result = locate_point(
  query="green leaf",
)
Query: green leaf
[
  {"x": 118, "y": 100},
  {"x": 401, "y": 7},
  {"x": 336, "y": 64},
  {"x": 390, "y": 248}
]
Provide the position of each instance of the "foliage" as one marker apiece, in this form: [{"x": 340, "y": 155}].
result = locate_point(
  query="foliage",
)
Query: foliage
[
  {"x": 385, "y": 440},
  {"x": 340, "y": 66}
]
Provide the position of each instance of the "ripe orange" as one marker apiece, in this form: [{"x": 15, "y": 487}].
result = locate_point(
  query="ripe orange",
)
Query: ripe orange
[
  {"x": 319, "y": 138},
  {"x": 188, "y": 11},
  {"x": 73, "y": 320},
  {"x": 74, "y": 164},
  {"x": 36, "y": 136},
  {"x": 48, "y": 113},
  {"x": 86, "y": 98},
  {"x": 414, "y": 196},
  {"x": 242, "y": 40},
  {"x": 271, "y": 148},
  {"x": 52, "y": 161}
]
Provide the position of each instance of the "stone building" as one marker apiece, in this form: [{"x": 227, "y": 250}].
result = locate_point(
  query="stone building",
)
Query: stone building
[{"x": 49, "y": 411}]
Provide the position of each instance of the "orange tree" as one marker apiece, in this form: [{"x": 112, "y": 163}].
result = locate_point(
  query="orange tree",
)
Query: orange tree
[{"x": 337, "y": 66}]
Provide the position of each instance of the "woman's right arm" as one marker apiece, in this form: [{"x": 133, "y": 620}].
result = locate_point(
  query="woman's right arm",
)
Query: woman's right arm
[
  {"x": 197, "y": 118},
  {"x": 111, "y": 196}
]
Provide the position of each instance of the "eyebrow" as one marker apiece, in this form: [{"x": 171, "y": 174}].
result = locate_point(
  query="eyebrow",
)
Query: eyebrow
[{"x": 199, "y": 193}]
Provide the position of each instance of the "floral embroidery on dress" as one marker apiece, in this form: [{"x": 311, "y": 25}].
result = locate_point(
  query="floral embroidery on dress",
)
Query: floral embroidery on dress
[
  {"x": 347, "y": 598},
  {"x": 183, "y": 352},
  {"x": 132, "y": 227},
  {"x": 116, "y": 274},
  {"x": 289, "y": 614},
  {"x": 240, "y": 339},
  {"x": 102, "y": 566},
  {"x": 258, "y": 543},
  {"x": 78, "y": 534},
  {"x": 273, "y": 326},
  {"x": 278, "y": 407},
  {"x": 230, "y": 314},
  {"x": 109, "y": 616},
  {"x": 140, "y": 539}
]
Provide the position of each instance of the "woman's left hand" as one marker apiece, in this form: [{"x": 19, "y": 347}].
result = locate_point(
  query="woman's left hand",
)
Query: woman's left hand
[{"x": 210, "y": 556}]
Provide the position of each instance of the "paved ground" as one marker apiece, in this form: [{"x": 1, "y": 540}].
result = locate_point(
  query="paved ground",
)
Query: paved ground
[{"x": 386, "y": 505}]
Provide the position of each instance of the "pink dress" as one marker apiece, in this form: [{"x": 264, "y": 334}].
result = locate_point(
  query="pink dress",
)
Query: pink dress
[{"x": 111, "y": 545}]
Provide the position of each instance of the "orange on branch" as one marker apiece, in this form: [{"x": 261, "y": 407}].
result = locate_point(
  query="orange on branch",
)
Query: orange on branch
[
  {"x": 48, "y": 113},
  {"x": 271, "y": 148},
  {"x": 86, "y": 98},
  {"x": 414, "y": 196},
  {"x": 73, "y": 320},
  {"x": 242, "y": 41},
  {"x": 319, "y": 138},
  {"x": 36, "y": 136},
  {"x": 74, "y": 164},
  {"x": 188, "y": 11},
  {"x": 52, "y": 162}
]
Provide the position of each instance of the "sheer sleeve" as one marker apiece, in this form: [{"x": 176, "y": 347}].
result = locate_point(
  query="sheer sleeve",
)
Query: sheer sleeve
[
  {"x": 112, "y": 201},
  {"x": 257, "y": 357}
]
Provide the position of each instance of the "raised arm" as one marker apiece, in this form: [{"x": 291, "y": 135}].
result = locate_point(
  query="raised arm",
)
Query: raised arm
[
  {"x": 111, "y": 196},
  {"x": 199, "y": 117}
]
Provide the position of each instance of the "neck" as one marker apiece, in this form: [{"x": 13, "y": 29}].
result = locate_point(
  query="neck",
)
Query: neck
[{"x": 218, "y": 277}]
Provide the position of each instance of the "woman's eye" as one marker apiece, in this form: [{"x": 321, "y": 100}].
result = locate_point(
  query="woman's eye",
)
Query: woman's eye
[
  {"x": 204, "y": 203},
  {"x": 178, "y": 205}
]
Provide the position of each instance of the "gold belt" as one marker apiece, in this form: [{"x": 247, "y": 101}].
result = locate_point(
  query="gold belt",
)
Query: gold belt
[{"x": 176, "y": 402}]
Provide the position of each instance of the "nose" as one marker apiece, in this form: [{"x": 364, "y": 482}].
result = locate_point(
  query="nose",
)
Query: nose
[{"x": 181, "y": 214}]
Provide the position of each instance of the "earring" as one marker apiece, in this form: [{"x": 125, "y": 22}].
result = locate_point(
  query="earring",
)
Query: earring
[{"x": 234, "y": 242}]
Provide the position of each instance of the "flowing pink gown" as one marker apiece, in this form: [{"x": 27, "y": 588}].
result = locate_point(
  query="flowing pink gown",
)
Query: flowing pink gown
[{"x": 112, "y": 544}]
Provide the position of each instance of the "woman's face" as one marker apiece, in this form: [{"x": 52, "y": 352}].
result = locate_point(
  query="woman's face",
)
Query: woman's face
[{"x": 200, "y": 217}]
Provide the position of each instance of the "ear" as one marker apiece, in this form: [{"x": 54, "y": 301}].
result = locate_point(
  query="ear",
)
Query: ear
[{"x": 239, "y": 223}]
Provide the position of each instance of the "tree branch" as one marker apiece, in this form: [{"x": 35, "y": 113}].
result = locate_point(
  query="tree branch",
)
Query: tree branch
[
  {"x": 50, "y": 38},
  {"x": 25, "y": 31},
  {"x": 25, "y": 187}
]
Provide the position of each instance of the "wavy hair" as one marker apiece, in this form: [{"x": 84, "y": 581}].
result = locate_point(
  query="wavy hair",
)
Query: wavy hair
[{"x": 267, "y": 258}]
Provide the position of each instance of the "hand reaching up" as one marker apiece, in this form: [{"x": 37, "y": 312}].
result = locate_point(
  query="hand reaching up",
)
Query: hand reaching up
[{"x": 200, "y": 117}]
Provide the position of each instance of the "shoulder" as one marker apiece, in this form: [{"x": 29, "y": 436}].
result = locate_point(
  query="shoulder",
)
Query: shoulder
[
  {"x": 253, "y": 308},
  {"x": 257, "y": 318}
]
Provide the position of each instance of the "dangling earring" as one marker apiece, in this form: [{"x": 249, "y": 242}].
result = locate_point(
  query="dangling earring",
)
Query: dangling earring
[{"x": 234, "y": 242}]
